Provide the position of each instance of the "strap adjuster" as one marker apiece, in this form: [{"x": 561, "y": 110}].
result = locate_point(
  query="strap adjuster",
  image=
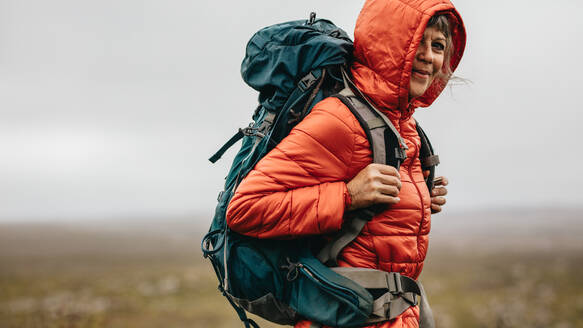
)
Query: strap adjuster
[
  {"x": 414, "y": 301},
  {"x": 400, "y": 153},
  {"x": 394, "y": 283},
  {"x": 307, "y": 81}
]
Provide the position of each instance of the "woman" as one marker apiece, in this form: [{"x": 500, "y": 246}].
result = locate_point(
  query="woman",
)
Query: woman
[{"x": 405, "y": 52}]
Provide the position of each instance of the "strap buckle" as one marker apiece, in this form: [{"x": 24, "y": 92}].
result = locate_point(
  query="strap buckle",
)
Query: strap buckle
[
  {"x": 251, "y": 131},
  {"x": 396, "y": 288},
  {"x": 307, "y": 81}
]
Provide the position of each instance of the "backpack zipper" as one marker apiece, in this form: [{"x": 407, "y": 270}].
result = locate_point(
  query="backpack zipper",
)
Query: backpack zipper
[{"x": 332, "y": 287}]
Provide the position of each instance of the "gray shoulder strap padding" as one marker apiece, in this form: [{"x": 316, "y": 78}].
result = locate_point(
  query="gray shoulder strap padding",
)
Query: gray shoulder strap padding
[
  {"x": 374, "y": 123},
  {"x": 347, "y": 92}
]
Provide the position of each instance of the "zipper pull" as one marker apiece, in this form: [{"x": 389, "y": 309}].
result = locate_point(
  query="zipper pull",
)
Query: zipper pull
[{"x": 293, "y": 269}]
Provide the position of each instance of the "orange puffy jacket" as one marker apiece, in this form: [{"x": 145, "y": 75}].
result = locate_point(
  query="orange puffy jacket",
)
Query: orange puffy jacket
[{"x": 299, "y": 188}]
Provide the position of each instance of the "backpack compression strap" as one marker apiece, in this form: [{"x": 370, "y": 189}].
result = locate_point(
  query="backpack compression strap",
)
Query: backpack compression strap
[{"x": 308, "y": 86}]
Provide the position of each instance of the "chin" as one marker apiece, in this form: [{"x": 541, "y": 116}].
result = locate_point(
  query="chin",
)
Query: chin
[
  {"x": 416, "y": 93},
  {"x": 417, "y": 90}
]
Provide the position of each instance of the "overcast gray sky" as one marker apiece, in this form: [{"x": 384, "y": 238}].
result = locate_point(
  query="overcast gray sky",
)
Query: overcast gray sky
[{"x": 111, "y": 108}]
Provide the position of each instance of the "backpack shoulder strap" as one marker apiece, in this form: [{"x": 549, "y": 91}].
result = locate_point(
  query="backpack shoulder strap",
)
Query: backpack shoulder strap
[
  {"x": 361, "y": 107},
  {"x": 374, "y": 127},
  {"x": 429, "y": 160},
  {"x": 387, "y": 148}
]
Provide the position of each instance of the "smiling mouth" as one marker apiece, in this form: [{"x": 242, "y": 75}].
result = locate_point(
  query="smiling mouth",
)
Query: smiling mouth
[{"x": 421, "y": 74}]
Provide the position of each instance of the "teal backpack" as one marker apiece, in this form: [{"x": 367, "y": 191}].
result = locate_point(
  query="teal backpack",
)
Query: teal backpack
[{"x": 294, "y": 65}]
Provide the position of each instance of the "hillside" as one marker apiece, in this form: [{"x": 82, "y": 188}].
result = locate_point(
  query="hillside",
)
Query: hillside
[{"x": 508, "y": 268}]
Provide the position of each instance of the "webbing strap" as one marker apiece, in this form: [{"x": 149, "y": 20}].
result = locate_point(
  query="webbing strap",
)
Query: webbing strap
[
  {"x": 249, "y": 323},
  {"x": 390, "y": 306},
  {"x": 401, "y": 294},
  {"x": 329, "y": 253},
  {"x": 426, "y": 319},
  {"x": 307, "y": 82},
  {"x": 238, "y": 136},
  {"x": 377, "y": 279}
]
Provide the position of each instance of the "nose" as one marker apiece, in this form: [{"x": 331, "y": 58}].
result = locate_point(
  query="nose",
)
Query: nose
[{"x": 425, "y": 52}]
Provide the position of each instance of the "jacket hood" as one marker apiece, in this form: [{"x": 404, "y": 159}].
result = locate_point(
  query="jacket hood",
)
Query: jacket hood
[{"x": 386, "y": 38}]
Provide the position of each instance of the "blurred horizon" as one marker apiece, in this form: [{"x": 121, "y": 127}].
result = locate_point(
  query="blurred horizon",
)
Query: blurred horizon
[
  {"x": 203, "y": 219},
  {"x": 478, "y": 226}
]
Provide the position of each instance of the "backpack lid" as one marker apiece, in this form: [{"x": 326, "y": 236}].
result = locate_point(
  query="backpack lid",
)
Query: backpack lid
[{"x": 278, "y": 56}]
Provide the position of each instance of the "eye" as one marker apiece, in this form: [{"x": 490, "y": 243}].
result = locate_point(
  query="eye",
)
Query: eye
[{"x": 438, "y": 45}]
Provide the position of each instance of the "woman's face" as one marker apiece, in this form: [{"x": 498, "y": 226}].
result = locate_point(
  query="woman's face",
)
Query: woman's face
[{"x": 428, "y": 61}]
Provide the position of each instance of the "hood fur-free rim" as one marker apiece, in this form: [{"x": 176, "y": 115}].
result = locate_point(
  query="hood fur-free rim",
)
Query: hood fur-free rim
[{"x": 387, "y": 35}]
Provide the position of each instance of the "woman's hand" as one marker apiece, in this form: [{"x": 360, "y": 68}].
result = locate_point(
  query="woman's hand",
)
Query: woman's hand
[
  {"x": 376, "y": 183},
  {"x": 438, "y": 193}
]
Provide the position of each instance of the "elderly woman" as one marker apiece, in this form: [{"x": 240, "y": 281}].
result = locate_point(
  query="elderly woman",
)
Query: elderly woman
[{"x": 404, "y": 54}]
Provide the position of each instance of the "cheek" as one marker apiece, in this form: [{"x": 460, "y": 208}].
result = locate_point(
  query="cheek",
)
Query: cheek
[{"x": 438, "y": 64}]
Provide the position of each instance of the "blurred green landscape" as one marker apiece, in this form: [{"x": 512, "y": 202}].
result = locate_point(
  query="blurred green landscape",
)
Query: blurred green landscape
[{"x": 509, "y": 268}]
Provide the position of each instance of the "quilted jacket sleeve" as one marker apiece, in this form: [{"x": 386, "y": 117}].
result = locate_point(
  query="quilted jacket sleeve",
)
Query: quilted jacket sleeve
[{"x": 299, "y": 188}]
